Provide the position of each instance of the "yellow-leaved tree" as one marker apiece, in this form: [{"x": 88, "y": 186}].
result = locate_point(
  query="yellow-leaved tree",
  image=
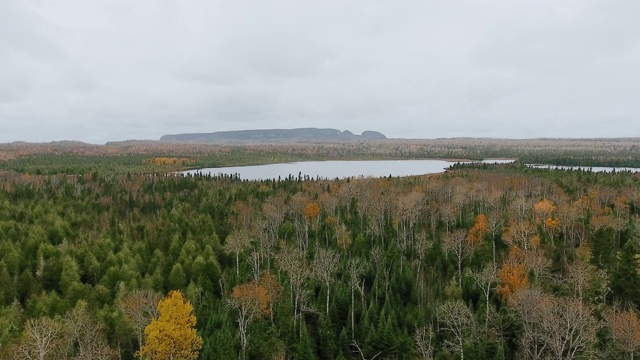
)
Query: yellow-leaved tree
[{"x": 172, "y": 336}]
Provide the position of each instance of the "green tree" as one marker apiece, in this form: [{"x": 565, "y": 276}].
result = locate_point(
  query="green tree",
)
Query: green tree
[
  {"x": 10, "y": 321},
  {"x": 626, "y": 280},
  {"x": 177, "y": 278}
]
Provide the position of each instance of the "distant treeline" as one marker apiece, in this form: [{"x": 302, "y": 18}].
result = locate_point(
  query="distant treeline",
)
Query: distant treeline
[{"x": 153, "y": 156}]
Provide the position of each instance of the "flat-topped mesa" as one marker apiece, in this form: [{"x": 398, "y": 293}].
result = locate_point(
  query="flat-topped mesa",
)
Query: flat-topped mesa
[
  {"x": 274, "y": 135},
  {"x": 372, "y": 135}
]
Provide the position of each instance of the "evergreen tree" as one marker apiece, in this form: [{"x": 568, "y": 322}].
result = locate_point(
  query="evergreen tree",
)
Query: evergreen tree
[
  {"x": 626, "y": 280},
  {"x": 177, "y": 278}
]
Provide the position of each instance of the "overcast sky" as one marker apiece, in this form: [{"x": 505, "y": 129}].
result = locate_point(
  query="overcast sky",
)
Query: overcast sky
[{"x": 98, "y": 70}]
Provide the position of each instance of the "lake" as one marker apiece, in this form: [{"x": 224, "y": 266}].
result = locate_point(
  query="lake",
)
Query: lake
[
  {"x": 337, "y": 169},
  {"x": 585, "y": 168}
]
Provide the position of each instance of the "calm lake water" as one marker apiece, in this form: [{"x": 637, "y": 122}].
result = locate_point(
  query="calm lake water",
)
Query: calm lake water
[
  {"x": 584, "y": 168},
  {"x": 336, "y": 169}
]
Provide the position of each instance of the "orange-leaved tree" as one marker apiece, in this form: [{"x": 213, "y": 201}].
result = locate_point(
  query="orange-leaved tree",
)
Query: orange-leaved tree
[
  {"x": 311, "y": 211},
  {"x": 543, "y": 209},
  {"x": 172, "y": 336},
  {"x": 513, "y": 274},
  {"x": 513, "y": 277},
  {"x": 253, "y": 300},
  {"x": 479, "y": 229}
]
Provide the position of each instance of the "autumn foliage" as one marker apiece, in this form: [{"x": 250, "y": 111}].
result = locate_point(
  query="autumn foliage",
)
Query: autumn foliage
[
  {"x": 512, "y": 276},
  {"x": 252, "y": 298},
  {"x": 311, "y": 211},
  {"x": 544, "y": 208},
  {"x": 544, "y": 211},
  {"x": 172, "y": 336},
  {"x": 479, "y": 229},
  {"x": 625, "y": 328},
  {"x": 353, "y": 265},
  {"x": 163, "y": 161}
]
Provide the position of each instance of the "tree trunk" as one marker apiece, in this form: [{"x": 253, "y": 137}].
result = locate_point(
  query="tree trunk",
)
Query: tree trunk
[
  {"x": 486, "y": 319},
  {"x": 237, "y": 264},
  {"x": 493, "y": 245},
  {"x": 353, "y": 310},
  {"x": 328, "y": 289},
  {"x": 460, "y": 269}
]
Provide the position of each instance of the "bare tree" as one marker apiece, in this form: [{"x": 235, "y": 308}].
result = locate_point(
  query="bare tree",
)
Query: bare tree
[
  {"x": 329, "y": 204},
  {"x": 423, "y": 337},
  {"x": 570, "y": 327},
  {"x": 579, "y": 275},
  {"x": 293, "y": 262},
  {"x": 536, "y": 261},
  {"x": 408, "y": 208},
  {"x": 486, "y": 280},
  {"x": 347, "y": 192},
  {"x": 456, "y": 320},
  {"x": 432, "y": 209},
  {"x": 423, "y": 243},
  {"x": 448, "y": 214},
  {"x": 562, "y": 327},
  {"x": 570, "y": 225},
  {"x": 42, "y": 338},
  {"x": 460, "y": 198},
  {"x": 495, "y": 220},
  {"x": 377, "y": 212},
  {"x": 255, "y": 260},
  {"x": 302, "y": 213},
  {"x": 519, "y": 233},
  {"x": 87, "y": 335},
  {"x": 140, "y": 307},
  {"x": 325, "y": 264},
  {"x": 520, "y": 208},
  {"x": 273, "y": 211},
  {"x": 532, "y": 306},
  {"x": 236, "y": 243},
  {"x": 456, "y": 242},
  {"x": 625, "y": 328},
  {"x": 359, "y": 351},
  {"x": 403, "y": 245}
]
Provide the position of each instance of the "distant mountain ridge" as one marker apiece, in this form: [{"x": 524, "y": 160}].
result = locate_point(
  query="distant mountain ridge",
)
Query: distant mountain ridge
[{"x": 274, "y": 135}]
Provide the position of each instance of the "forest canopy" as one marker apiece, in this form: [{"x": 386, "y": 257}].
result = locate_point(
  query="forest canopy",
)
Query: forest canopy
[{"x": 481, "y": 262}]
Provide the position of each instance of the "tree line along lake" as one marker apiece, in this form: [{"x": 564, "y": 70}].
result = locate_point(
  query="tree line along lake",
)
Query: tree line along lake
[{"x": 369, "y": 168}]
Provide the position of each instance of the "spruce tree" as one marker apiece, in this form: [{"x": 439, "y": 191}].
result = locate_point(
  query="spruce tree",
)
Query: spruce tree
[{"x": 626, "y": 280}]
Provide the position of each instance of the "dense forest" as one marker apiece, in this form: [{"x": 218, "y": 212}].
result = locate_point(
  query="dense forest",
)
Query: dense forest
[
  {"x": 156, "y": 156},
  {"x": 481, "y": 262}
]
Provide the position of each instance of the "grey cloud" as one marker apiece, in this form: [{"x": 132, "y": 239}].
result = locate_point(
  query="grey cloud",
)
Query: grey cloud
[{"x": 102, "y": 70}]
